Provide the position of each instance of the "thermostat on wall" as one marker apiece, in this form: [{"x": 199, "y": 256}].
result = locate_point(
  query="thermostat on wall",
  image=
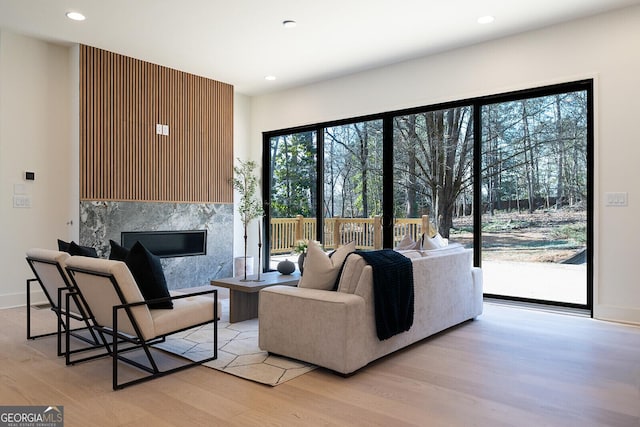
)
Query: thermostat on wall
[{"x": 30, "y": 176}]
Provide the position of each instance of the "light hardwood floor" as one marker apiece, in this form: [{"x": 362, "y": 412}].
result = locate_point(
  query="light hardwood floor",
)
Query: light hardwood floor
[{"x": 510, "y": 367}]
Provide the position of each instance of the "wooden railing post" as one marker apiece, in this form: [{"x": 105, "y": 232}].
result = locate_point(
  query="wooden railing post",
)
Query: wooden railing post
[
  {"x": 377, "y": 232},
  {"x": 336, "y": 232},
  {"x": 299, "y": 227},
  {"x": 427, "y": 227}
]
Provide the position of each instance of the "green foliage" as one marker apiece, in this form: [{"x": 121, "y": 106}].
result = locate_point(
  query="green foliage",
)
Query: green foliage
[
  {"x": 496, "y": 225},
  {"x": 575, "y": 233},
  {"x": 301, "y": 246},
  {"x": 293, "y": 178},
  {"x": 246, "y": 183}
]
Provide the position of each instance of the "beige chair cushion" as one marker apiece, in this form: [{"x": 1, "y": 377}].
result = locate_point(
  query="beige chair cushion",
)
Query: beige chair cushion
[
  {"x": 186, "y": 312},
  {"x": 101, "y": 296},
  {"x": 49, "y": 274}
]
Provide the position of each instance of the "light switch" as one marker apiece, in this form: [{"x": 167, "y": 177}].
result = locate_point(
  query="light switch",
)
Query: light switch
[
  {"x": 21, "y": 201},
  {"x": 616, "y": 199},
  {"x": 158, "y": 129},
  {"x": 165, "y": 129}
]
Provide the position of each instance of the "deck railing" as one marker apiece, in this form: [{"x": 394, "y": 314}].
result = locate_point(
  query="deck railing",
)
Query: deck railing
[{"x": 366, "y": 232}]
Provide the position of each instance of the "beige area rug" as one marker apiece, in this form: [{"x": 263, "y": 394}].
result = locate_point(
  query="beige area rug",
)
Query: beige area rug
[{"x": 238, "y": 352}]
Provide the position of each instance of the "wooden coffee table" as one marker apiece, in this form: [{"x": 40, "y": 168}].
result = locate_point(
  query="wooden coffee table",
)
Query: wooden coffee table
[{"x": 243, "y": 296}]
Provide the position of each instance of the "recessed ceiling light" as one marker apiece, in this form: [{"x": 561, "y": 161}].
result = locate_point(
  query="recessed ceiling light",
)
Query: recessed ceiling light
[
  {"x": 289, "y": 24},
  {"x": 270, "y": 78},
  {"x": 76, "y": 16},
  {"x": 488, "y": 19}
]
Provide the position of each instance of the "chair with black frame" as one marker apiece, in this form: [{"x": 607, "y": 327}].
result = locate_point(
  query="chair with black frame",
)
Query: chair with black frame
[
  {"x": 48, "y": 268},
  {"x": 125, "y": 322}
]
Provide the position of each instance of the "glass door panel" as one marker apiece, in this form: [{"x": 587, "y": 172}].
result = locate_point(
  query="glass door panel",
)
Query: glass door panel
[
  {"x": 534, "y": 191},
  {"x": 432, "y": 174},
  {"x": 353, "y": 185},
  {"x": 293, "y": 194}
]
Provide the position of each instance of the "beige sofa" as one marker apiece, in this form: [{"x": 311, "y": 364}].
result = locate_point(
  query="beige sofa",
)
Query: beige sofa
[{"x": 336, "y": 329}]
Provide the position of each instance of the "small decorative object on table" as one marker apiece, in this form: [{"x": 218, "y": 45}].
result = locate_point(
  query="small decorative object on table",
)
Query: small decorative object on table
[
  {"x": 301, "y": 248},
  {"x": 286, "y": 267}
]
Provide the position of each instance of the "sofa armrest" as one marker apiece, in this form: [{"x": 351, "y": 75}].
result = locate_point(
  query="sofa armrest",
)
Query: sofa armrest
[{"x": 316, "y": 326}]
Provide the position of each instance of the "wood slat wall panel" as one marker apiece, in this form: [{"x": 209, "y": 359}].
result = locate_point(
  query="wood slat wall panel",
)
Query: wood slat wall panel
[{"x": 121, "y": 157}]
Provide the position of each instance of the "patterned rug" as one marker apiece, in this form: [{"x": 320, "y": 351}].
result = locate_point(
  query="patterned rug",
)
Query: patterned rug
[{"x": 238, "y": 352}]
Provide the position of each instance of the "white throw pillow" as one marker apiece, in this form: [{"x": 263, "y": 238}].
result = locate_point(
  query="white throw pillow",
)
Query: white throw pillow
[
  {"x": 320, "y": 269},
  {"x": 406, "y": 243},
  {"x": 435, "y": 242}
]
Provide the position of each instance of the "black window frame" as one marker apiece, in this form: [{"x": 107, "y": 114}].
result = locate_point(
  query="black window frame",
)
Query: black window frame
[{"x": 476, "y": 103}]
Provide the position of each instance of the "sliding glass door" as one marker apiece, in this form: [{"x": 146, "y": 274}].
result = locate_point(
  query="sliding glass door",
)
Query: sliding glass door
[
  {"x": 534, "y": 197},
  {"x": 508, "y": 175},
  {"x": 292, "y": 193}
]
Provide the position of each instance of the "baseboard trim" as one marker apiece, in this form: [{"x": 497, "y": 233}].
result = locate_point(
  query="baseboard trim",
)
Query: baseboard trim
[
  {"x": 19, "y": 299},
  {"x": 617, "y": 314}
]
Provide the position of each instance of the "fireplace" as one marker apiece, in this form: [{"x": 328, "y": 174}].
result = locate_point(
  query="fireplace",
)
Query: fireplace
[{"x": 168, "y": 244}]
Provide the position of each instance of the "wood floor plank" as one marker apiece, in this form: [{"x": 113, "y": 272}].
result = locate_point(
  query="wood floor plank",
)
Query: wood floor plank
[{"x": 511, "y": 366}]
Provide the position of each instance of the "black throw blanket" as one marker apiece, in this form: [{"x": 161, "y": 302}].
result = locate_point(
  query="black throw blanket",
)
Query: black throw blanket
[{"x": 392, "y": 291}]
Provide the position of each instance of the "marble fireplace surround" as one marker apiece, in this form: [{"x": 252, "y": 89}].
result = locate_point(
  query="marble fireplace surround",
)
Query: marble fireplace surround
[{"x": 104, "y": 220}]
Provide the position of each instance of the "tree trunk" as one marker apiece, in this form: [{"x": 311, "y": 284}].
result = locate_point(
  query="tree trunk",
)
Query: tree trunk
[
  {"x": 528, "y": 158},
  {"x": 561, "y": 154}
]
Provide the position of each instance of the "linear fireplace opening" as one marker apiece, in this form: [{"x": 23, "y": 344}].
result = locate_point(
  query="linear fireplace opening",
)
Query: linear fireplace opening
[{"x": 168, "y": 244}]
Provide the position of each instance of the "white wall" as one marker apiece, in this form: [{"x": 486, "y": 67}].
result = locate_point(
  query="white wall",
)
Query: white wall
[
  {"x": 603, "y": 47},
  {"x": 35, "y": 135},
  {"x": 242, "y": 149}
]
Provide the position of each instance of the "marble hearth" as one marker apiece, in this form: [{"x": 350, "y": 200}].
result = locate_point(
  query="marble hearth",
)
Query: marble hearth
[{"x": 101, "y": 221}]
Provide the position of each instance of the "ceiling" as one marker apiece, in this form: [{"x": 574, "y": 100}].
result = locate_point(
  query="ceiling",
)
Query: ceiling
[{"x": 242, "y": 41}]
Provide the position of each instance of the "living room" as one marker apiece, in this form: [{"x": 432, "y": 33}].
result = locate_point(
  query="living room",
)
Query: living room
[{"x": 39, "y": 122}]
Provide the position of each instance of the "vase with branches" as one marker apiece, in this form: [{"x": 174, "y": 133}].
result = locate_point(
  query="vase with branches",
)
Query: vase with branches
[{"x": 245, "y": 182}]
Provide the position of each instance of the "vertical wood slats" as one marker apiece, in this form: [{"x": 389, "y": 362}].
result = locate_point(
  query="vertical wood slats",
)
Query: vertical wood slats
[{"x": 121, "y": 157}]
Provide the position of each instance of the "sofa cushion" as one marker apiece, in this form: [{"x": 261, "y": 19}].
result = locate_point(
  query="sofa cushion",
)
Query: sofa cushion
[
  {"x": 118, "y": 252},
  {"x": 450, "y": 248},
  {"x": 411, "y": 253},
  {"x": 407, "y": 243},
  {"x": 63, "y": 246},
  {"x": 435, "y": 242},
  {"x": 351, "y": 272},
  {"x": 147, "y": 271},
  {"x": 75, "y": 249},
  {"x": 320, "y": 269}
]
